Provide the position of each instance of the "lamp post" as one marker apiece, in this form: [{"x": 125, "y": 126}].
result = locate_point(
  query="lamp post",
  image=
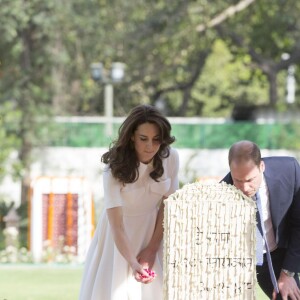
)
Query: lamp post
[
  {"x": 108, "y": 77},
  {"x": 291, "y": 84}
]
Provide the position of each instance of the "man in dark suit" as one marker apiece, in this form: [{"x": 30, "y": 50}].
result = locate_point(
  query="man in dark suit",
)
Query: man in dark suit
[{"x": 277, "y": 179}]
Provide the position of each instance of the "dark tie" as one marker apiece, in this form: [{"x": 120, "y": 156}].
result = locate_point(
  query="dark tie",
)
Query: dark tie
[{"x": 260, "y": 237}]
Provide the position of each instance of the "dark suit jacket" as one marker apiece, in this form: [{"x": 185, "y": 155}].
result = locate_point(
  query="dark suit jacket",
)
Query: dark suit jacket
[{"x": 282, "y": 176}]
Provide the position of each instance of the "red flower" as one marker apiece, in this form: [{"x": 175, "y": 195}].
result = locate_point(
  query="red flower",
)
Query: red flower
[{"x": 150, "y": 272}]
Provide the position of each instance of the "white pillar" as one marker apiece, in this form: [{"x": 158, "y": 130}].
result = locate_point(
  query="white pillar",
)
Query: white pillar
[
  {"x": 291, "y": 84},
  {"x": 109, "y": 108}
]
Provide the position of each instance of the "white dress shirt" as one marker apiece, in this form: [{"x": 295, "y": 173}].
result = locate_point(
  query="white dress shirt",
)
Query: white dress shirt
[{"x": 267, "y": 220}]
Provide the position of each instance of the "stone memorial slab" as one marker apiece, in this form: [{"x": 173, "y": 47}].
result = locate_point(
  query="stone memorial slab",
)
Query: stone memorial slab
[{"x": 209, "y": 243}]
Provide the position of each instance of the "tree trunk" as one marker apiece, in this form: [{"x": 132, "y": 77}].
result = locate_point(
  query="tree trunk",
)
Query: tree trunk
[
  {"x": 272, "y": 77},
  {"x": 24, "y": 157},
  {"x": 25, "y": 188},
  {"x": 183, "y": 108}
]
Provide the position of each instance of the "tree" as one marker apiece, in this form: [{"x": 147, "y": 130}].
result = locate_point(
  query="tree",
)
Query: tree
[
  {"x": 272, "y": 29},
  {"x": 164, "y": 56},
  {"x": 25, "y": 83}
]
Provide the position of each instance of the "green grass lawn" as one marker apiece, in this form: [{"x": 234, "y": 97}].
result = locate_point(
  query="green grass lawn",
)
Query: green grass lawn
[
  {"x": 42, "y": 282},
  {"x": 39, "y": 282}
]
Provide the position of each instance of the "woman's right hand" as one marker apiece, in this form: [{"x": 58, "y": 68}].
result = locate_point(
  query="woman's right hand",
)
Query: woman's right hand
[{"x": 140, "y": 274}]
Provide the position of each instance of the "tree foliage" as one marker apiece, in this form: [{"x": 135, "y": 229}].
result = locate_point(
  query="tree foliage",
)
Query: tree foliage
[
  {"x": 166, "y": 53},
  {"x": 272, "y": 29},
  {"x": 25, "y": 64}
]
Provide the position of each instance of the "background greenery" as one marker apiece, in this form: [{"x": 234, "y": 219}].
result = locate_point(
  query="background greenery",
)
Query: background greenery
[
  {"x": 194, "y": 136},
  {"x": 192, "y": 58}
]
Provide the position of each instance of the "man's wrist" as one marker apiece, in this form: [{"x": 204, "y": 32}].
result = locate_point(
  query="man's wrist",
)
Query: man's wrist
[{"x": 288, "y": 273}]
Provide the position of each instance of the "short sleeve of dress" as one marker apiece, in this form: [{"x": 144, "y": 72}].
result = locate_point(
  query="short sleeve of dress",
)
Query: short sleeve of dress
[
  {"x": 112, "y": 188},
  {"x": 172, "y": 169}
]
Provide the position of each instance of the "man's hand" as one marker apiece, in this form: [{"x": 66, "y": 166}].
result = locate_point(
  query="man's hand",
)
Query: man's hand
[{"x": 287, "y": 288}]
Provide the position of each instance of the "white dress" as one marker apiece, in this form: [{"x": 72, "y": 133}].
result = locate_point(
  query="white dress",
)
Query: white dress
[{"x": 107, "y": 275}]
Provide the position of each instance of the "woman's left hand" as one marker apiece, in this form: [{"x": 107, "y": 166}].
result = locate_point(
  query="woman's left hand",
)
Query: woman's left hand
[{"x": 146, "y": 258}]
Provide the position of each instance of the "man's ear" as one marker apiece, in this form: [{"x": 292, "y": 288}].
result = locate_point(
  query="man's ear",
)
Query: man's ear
[{"x": 262, "y": 166}]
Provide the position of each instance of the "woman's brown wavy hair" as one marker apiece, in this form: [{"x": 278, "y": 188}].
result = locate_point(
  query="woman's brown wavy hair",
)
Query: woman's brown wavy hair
[{"x": 122, "y": 158}]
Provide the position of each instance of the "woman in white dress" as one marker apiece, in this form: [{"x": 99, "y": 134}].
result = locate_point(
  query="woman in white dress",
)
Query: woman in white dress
[{"x": 141, "y": 171}]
